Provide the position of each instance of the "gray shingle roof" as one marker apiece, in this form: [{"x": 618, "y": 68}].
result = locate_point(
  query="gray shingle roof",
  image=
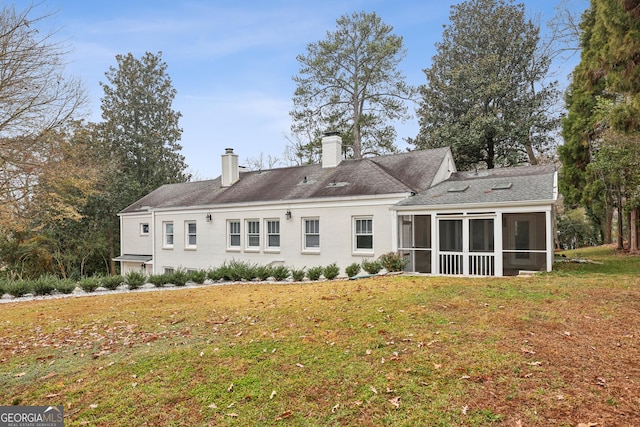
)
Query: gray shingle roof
[
  {"x": 504, "y": 185},
  {"x": 389, "y": 174}
]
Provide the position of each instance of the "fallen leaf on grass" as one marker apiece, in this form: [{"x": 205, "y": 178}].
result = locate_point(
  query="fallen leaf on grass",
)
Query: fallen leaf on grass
[
  {"x": 213, "y": 406},
  {"x": 21, "y": 374},
  {"x": 230, "y": 387},
  {"x": 273, "y": 394},
  {"x": 437, "y": 365},
  {"x": 49, "y": 375},
  {"x": 536, "y": 363},
  {"x": 285, "y": 414},
  {"x": 587, "y": 424},
  {"x": 373, "y": 389},
  {"x": 395, "y": 401},
  {"x": 335, "y": 408},
  {"x": 601, "y": 382},
  {"x": 232, "y": 415},
  {"x": 299, "y": 365},
  {"x": 527, "y": 350},
  {"x": 465, "y": 408}
]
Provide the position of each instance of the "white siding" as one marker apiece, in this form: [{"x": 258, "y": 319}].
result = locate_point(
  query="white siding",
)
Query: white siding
[{"x": 336, "y": 234}]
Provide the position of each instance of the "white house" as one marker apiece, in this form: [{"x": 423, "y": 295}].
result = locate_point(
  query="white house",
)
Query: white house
[{"x": 489, "y": 223}]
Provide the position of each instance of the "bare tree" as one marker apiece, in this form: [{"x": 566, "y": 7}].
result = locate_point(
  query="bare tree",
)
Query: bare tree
[{"x": 36, "y": 97}]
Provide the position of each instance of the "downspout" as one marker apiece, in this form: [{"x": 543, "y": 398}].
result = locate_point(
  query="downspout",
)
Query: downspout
[{"x": 153, "y": 241}]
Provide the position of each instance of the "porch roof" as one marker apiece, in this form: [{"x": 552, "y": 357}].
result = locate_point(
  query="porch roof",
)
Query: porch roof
[{"x": 490, "y": 186}]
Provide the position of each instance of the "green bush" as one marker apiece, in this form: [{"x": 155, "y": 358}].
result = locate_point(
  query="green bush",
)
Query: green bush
[
  {"x": 263, "y": 272},
  {"x": 331, "y": 271},
  {"x": 90, "y": 284},
  {"x": 393, "y": 261},
  {"x": 112, "y": 282},
  {"x": 240, "y": 270},
  {"x": 314, "y": 273},
  {"x": 216, "y": 274},
  {"x": 65, "y": 286},
  {"x": 198, "y": 276},
  {"x": 44, "y": 285},
  {"x": 280, "y": 272},
  {"x": 297, "y": 274},
  {"x": 371, "y": 267},
  {"x": 158, "y": 280},
  {"x": 135, "y": 279},
  {"x": 179, "y": 277},
  {"x": 3, "y": 285},
  {"x": 18, "y": 288},
  {"x": 352, "y": 269}
]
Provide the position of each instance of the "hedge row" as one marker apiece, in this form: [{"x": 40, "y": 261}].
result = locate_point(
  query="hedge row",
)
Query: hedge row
[{"x": 232, "y": 271}]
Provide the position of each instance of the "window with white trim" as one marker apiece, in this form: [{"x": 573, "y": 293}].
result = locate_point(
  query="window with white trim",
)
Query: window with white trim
[
  {"x": 363, "y": 234},
  {"x": 273, "y": 234},
  {"x": 253, "y": 234},
  {"x": 190, "y": 234},
  {"x": 144, "y": 229},
  {"x": 234, "y": 234},
  {"x": 167, "y": 234},
  {"x": 311, "y": 234}
]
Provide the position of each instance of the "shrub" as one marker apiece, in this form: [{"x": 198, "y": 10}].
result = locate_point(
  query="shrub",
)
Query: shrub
[
  {"x": 158, "y": 280},
  {"x": 297, "y": 274},
  {"x": 393, "y": 261},
  {"x": 90, "y": 284},
  {"x": 65, "y": 286},
  {"x": 352, "y": 269},
  {"x": 135, "y": 279},
  {"x": 18, "y": 288},
  {"x": 44, "y": 285},
  {"x": 240, "y": 270},
  {"x": 314, "y": 273},
  {"x": 280, "y": 272},
  {"x": 263, "y": 272},
  {"x": 371, "y": 267},
  {"x": 112, "y": 282},
  {"x": 331, "y": 271},
  {"x": 198, "y": 276},
  {"x": 179, "y": 277},
  {"x": 216, "y": 274},
  {"x": 3, "y": 285}
]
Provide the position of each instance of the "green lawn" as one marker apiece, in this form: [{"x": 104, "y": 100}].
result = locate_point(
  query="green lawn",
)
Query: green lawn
[{"x": 555, "y": 349}]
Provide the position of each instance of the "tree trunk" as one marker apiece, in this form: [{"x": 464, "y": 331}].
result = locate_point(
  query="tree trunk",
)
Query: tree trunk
[
  {"x": 112, "y": 263},
  {"x": 620, "y": 223},
  {"x": 633, "y": 230},
  {"x": 532, "y": 156},
  {"x": 608, "y": 227},
  {"x": 491, "y": 152}
]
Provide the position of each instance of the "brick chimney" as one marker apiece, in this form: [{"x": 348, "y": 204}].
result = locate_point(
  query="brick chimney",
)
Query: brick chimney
[
  {"x": 331, "y": 149},
  {"x": 230, "y": 168}
]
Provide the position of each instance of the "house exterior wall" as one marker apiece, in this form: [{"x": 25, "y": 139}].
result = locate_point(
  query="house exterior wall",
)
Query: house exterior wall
[
  {"x": 133, "y": 240},
  {"x": 212, "y": 249}
]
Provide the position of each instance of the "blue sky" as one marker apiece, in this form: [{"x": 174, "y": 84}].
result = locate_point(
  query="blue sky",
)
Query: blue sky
[{"x": 231, "y": 62}]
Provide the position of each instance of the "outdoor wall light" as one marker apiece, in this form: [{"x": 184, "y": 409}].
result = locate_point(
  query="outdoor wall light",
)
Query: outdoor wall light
[
  {"x": 287, "y": 215},
  {"x": 209, "y": 217}
]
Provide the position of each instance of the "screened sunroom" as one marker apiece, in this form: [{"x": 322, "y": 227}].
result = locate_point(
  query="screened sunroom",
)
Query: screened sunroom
[{"x": 480, "y": 225}]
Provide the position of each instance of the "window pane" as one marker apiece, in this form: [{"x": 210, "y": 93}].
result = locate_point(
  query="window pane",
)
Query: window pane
[
  {"x": 364, "y": 242},
  {"x": 274, "y": 240},
  {"x": 312, "y": 241},
  {"x": 192, "y": 227},
  {"x": 235, "y": 240},
  {"x": 169, "y": 228},
  {"x": 192, "y": 240},
  {"x": 169, "y": 239}
]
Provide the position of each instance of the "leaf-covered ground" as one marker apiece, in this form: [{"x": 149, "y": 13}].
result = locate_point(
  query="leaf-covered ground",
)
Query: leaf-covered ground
[{"x": 559, "y": 349}]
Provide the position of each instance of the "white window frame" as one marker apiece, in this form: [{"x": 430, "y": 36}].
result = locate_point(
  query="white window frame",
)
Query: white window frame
[
  {"x": 270, "y": 232},
  {"x": 188, "y": 234},
  {"x": 307, "y": 232},
  {"x": 166, "y": 234},
  {"x": 144, "y": 228},
  {"x": 252, "y": 229},
  {"x": 232, "y": 233},
  {"x": 359, "y": 232}
]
